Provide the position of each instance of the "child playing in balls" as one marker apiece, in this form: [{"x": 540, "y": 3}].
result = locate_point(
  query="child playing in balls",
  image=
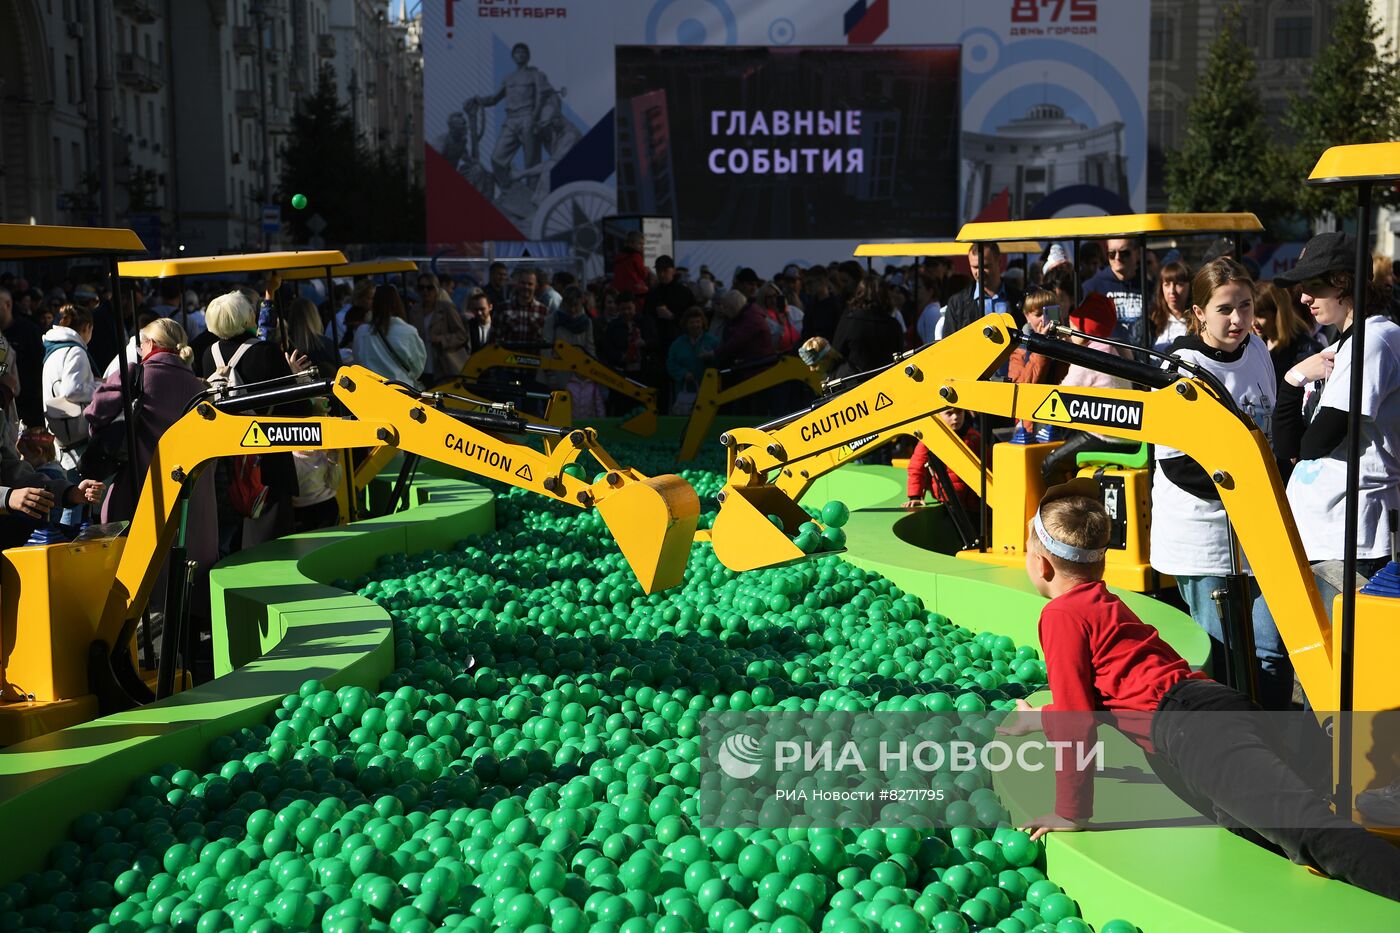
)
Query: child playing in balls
[
  {"x": 1100, "y": 657},
  {"x": 924, "y": 479}
]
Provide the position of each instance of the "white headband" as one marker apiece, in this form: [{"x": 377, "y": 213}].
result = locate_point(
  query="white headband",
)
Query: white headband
[{"x": 1078, "y": 555}]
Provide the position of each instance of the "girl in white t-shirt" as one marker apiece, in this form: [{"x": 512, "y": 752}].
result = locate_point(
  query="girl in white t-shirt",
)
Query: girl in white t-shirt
[
  {"x": 1314, "y": 401},
  {"x": 1171, "y": 309},
  {"x": 1190, "y": 530}
]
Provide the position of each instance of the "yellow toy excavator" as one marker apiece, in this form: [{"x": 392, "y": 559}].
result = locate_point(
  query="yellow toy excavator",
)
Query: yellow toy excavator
[
  {"x": 1186, "y": 411},
  {"x": 565, "y": 357},
  {"x": 50, "y": 657}
]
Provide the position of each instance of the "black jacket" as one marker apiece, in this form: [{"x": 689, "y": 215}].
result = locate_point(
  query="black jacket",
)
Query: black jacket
[
  {"x": 866, "y": 338},
  {"x": 28, "y": 342},
  {"x": 963, "y": 308}
]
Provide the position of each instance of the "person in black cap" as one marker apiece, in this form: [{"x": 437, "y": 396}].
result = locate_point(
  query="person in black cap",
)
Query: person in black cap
[
  {"x": 669, "y": 298},
  {"x": 661, "y": 311},
  {"x": 1310, "y": 423}
]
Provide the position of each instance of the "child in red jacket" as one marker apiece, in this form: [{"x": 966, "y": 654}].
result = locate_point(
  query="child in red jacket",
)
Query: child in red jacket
[
  {"x": 923, "y": 479},
  {"x": 1205, "y": 740}
]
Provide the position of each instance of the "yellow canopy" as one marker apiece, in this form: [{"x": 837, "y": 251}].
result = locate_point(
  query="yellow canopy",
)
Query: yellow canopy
[
  {"x": 1350, "y": 165},
  {"x": 352, "y": 269},
  {"x": 1114, "y": 225},
  {"x": 31, "y": 241},
  {"x": 238, "y": 262},
  {"x": 941, "y": 248}
]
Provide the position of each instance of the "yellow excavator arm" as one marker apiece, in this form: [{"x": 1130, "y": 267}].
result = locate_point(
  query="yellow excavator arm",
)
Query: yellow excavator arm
[
  {"x": 709, "y": 397},
  {"x": 461, "y": 394},
  {"x": 1186, "y": 413},
  {"x": 570, "y": 359},
  {"x": 652, "y": 518}
]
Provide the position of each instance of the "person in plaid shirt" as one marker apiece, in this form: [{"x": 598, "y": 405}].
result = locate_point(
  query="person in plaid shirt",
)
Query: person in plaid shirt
[{"x": 522, "y": 321}]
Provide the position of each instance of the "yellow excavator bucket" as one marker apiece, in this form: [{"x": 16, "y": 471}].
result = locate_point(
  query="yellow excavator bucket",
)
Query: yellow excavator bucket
[
  {"x": 653, "y": 521},
  {"x": 643, "y": 423},
  {"x": 743, "y": 536}
]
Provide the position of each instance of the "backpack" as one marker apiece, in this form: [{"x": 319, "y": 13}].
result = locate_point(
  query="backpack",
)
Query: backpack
[
  {"x": 67, "y": 427},
  {"x": 247, "y": 493},
  {"x": 225, "y": 376}
]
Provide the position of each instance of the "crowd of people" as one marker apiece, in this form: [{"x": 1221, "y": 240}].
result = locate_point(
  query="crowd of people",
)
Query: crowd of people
[{"x": 1277, "y": 345}]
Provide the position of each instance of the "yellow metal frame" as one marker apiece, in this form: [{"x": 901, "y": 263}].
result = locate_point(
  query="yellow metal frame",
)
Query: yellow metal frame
[
  {"x": 711, "y": 397},
  {"x": 1110, "y": 226},
  {"x": 570, "y": 359},
  {"x": 237, "y": 262},
  {"x": 941, "y": 248},
  {"x": 352, "y": 269},
  {"x": 33, "y": 241},
  {"x": 1186, "y": 416}
]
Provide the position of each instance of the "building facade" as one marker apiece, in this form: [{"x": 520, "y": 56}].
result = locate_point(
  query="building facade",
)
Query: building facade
[
  {"x": 1284, "y": 35},
  {"x": 1032, "y": 155},
  {"x": 193, "y": 153}
]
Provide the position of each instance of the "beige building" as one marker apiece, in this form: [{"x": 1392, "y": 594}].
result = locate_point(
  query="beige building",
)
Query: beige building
[{"x": 200, "y": 95}]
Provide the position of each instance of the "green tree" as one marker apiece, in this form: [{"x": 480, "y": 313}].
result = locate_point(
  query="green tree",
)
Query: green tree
[
  {"x": 363, "y": 196},
  {"x": 1228, "y": 161},
  {"x": 1352, "y": 96}
]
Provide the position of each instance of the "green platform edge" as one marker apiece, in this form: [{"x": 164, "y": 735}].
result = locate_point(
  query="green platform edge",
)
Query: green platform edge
[
  {"x": 278, "y": 622},
  {"x": 1190, "y": 879}
]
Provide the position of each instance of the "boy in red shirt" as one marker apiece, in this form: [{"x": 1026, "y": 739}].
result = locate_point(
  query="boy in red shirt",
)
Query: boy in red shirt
[
  {"x": 922, "y": 478},
  {"x": 1099, "y": 657}
]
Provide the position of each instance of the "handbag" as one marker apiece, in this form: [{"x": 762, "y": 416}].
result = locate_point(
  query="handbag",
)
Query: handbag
[
  {"x": 105, "y": 454},
  {"x": 684, "y": 402}
]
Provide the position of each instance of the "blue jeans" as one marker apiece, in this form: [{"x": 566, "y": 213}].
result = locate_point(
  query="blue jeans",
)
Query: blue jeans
[{"x": 1275, "y": 669}]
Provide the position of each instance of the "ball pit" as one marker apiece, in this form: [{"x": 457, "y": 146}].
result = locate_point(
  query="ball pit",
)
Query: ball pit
[{"x": 529, "y": 764}]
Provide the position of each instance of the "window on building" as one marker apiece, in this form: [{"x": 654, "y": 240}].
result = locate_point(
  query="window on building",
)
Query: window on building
[
  {"x": 151, "y": 120},
  {"x": 58, "y": 162},
  {"x": 1162, "y": 41},
  {"x": 131, "y": 39},
  {"x": 70, "y": 71},
  {"x": 149, "y": 56},
  {"x": 75, "y": 155},
  {"x": 1293, "y": 37}
]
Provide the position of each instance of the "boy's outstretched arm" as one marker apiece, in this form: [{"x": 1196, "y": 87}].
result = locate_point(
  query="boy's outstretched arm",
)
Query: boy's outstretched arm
[
  {"x": 1051, "y": 823},
  {"x": 1026, "y": 721}
]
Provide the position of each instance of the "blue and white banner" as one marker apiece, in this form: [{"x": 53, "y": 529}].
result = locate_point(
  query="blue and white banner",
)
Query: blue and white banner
[{"x": 524, "y": 133}]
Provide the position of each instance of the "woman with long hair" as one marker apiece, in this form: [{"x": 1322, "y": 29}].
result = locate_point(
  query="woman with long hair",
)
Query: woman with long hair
[
  {"x": 1277, "y": 321},
  {"x": 387, "y": 343},
  {"x": 1170, "y": 316},
  {"x": 304, "y": 332},
  {"x": 1190, "y": 530}
]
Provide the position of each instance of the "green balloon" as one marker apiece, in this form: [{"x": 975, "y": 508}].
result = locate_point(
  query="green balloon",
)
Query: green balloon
[{"x": 298, "y": 201}]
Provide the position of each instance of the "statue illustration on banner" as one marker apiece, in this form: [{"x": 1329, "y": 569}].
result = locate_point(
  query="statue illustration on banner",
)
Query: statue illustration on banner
[{"x": 532, "y": 137}]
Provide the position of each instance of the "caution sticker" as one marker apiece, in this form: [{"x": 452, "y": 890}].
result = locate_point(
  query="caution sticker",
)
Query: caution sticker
[
  {"x": 1067, "y": 408},
  {"x": 283, "y": 434},
  {"x": 518, "y": 360}
]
